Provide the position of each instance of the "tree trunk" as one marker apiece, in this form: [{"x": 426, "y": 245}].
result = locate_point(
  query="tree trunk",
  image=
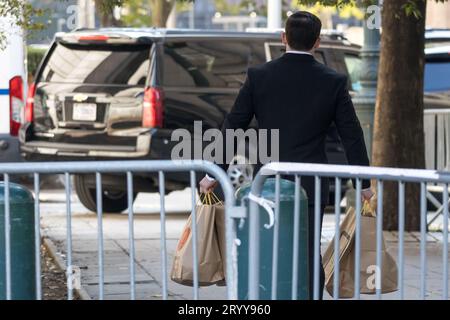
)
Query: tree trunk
[
  {"x": 398, "y": 133},
  {"x": 106, "y": 15},
  {"x": 160, "y": 11}
]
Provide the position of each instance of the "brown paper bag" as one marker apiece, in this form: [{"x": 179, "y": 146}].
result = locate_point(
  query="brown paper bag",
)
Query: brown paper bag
[
  {"x": 211, "y": 198},
  {"x": 368, "y": 258},
  {"x": 210, "y": 266},
  {"x": 220, "y": 229},
  {"x": 347, "y": 232}
]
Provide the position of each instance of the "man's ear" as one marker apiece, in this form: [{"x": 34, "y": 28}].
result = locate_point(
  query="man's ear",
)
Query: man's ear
[
  {"x": 283, "y": 38},
  {"x": 317, "y": 44}
]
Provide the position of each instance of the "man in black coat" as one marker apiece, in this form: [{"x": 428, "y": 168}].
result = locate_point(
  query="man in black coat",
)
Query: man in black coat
[{"x": 302, "y": 98}]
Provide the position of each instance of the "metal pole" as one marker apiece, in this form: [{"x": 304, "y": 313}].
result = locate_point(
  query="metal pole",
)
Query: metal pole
[
  {"x": 253, "y": 239},
  {"x": 401, "y": 238},
  {"x": 7, "y": 239},
  {"x": 423, "y": 240},
  {"x": 69, "y": 237},
  {"x": 445, "y": 246},
  {"x": 379, "y": 239},
  {"x": 274, "y": 14},
  {"x": 86, "y": 14},
  {"x": 337, "y": 221},
  {"x": 317, "y": 236},
  {"x": 130, "y": 193},
  {"x": 276, "y": 234},
  {"x": 37, "y": 237},
  {"x": 358, "y": 240},
  {"x": 365, "y": 99},
  {"x": 295, "y": 245},
  {"x": 194, "y": 234},
  {"x": 99, "y": 196},
  {"x": 162, "y": 218},
  {"x": 192, "y": 16}
]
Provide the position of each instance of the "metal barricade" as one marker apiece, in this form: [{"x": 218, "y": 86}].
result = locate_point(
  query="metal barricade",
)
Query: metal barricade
[
  {"x": 401, "y": 176},
  {"x": 128, "y": 167}
]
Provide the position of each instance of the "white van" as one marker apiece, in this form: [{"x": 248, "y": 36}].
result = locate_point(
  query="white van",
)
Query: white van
[{"x": 13, "y": 87}]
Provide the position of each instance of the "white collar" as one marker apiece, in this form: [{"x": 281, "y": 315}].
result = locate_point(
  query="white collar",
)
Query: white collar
[{"x": 298, "y": 52}]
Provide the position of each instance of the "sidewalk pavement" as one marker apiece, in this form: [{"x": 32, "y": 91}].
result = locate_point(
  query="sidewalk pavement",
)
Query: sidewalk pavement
[{"x": 147, "y": 248}]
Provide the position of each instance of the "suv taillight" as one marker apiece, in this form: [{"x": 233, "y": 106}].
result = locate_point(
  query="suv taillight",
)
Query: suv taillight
[
  {"x": 29, "y": 106},
  {"x": 15, "y": 104},
  {"x": 152, "y": 108}
]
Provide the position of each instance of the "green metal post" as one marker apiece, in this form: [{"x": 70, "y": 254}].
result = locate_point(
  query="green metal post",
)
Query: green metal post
[{"x": 365, "y": 99}]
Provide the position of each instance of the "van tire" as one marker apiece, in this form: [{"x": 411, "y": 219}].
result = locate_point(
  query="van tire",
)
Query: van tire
[{"x": 111, "y": 204}]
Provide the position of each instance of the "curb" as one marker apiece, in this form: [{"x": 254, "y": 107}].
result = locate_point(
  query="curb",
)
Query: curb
[{"x": 53, "y": 251}]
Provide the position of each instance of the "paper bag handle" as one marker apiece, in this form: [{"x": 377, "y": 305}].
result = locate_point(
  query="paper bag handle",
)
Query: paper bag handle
[
  {"x": 367, "y": 210},
  {"x": 209, "y": 198}
]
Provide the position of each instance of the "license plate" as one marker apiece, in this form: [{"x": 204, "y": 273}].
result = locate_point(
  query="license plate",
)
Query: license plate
[{"x": 84, "y": 112}]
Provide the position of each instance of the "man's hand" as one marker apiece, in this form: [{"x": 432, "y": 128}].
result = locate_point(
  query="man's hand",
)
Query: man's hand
[
  {"x": 207, "y": 185},
  {"x": 367, "y": 195}
]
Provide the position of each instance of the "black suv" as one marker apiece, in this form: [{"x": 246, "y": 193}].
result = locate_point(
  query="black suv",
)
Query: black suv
[{"x": 119, "y": 93}]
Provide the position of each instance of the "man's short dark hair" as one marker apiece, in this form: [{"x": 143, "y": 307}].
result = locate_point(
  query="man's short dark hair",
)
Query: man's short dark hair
[{"x": 302, "y": 30}]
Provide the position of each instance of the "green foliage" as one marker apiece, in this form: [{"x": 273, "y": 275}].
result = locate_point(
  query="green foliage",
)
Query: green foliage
[
  {"x": 34, "y": 58},
  {"x": 136, "y": 14},
  {"x": 226, "y": 6},
  {"x": 335, "y": 3},
  {"x": 345, "y": 11},
  {"x": 109, "y": 5},
  {"x": 22, "y": 14},
  {"x": 410, "y": 7}
]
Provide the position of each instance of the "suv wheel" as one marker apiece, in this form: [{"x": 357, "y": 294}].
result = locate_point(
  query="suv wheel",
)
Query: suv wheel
[
  {"x": 113, "y": 201},
  {"x": 240, "y": 171}
]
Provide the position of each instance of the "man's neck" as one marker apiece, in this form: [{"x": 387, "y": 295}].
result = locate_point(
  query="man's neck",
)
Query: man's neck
[{"x": 290, "y": 50}]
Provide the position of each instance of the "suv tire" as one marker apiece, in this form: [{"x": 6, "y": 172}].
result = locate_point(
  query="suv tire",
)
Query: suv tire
[{"x": 113, "y": 201}]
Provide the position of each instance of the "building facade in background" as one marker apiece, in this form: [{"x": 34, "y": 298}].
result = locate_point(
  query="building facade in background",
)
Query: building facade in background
[{"x": 58, "y": 16}]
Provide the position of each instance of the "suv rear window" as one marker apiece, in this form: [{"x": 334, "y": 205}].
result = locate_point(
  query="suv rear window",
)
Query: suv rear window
[
  {"x": 98, "y": 64},
  {"x": 354, "y": 68},
  {"x": 206, "y": 63}
]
